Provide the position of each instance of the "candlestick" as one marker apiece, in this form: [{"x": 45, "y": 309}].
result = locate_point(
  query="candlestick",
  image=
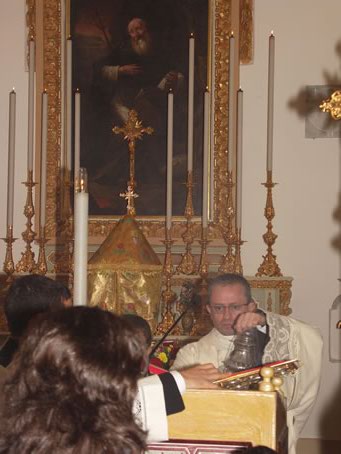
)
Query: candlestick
[
  {"x": 43, "y": 160},
  {"x": 271, "y": 73},
  {"x": 30, "y": 105},
  {"x": 169, "y": 160},
  {"x": 239, "y": 157},
  {"x": 11, "y": 158},
  {"x": 190, "y": 103},
  {"x": 81, "y": 240},
  {"x": 77, "y": 133},
  {"x": 205, "y": 160},
  {"x": 68, "y": 103},
  {"x": 231, "y": 102}
]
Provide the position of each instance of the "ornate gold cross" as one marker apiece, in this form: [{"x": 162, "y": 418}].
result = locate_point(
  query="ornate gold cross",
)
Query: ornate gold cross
[
  {"x": 130, "y": 195},
  {"x": 131, "y": 131}
]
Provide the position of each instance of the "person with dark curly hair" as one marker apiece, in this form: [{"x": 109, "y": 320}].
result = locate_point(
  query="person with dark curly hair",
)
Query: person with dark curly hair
[{"x": 71, "y": 386}]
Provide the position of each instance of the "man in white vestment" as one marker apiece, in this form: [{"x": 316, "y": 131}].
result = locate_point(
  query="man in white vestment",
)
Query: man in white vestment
[{"x": 233, "y": 311}]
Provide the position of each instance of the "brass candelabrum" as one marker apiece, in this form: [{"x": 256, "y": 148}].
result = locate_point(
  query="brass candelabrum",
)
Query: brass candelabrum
[
  {"x": 27, "y": 262},
  {"x": 228, "y": 264},
  {"x": 238, "y": 268},
  {"x": 41, "y": 267},
  {"x": 269, "y": 266},
  {"x": 187, "y": 264},
  {"x": 203, "y": 266},
  {"x": 168, "y": 296},
  {"x": 9, "y": 263}
]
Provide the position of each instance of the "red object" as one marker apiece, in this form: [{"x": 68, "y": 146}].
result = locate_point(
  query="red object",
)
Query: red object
[{"x": 156, "y": 370}]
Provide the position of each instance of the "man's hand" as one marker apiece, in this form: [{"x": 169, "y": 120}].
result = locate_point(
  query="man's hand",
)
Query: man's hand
[
  {"x": 249, "y": 320},
  {"x": 201, "y": 376},
  {"x": 129, "y": 70}
]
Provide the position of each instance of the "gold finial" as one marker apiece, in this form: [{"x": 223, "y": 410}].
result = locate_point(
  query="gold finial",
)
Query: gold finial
[
  {"x": 130, "y": 195},
  {"x": 131, "y": 131},
  {"x": 333, "y": 105}
]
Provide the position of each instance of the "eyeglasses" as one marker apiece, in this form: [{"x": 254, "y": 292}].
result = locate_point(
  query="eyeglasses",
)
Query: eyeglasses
[{"x": 220, "y": 309}]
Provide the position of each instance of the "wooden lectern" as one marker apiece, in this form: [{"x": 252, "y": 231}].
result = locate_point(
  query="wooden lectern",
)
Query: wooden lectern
[{"x": 227, "y": 416}]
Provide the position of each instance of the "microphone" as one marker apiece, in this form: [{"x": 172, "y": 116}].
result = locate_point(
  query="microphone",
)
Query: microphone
[{"x": 189, "y": 300}]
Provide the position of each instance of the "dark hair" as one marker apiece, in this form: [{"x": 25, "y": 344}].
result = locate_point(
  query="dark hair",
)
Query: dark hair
[
  {"x": 140, "y": 325},
  {"x": 30, "y": 295},
  {"x": 259, "y": 450},
  {"x": 72, "y": 385},
  {"x": 230, "y": 279}
]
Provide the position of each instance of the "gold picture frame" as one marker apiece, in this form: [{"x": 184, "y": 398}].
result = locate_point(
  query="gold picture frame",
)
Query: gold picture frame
[{"x": 44, "y": 23}]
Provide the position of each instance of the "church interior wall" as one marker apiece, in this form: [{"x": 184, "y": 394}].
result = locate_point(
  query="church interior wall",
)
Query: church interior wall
[{"x": 308, "y": 171}]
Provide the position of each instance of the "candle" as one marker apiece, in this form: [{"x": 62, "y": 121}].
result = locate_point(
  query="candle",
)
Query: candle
[
  {"x": 270, "y": 127},
  {"x": 205, "y": 159},
  {"x": 190, "y": 103},
  {"x": 43, "y": 160},
  {"x": 231, "y": 102},
  {"x": 169, "y": 160},
  {"x": 81, "y": 240},
  {"x": 30, "y": 105},
  {"x": 68, "y": 103},
  {"x": 11, "y": 156},
  {"x": 77, "y": 133},
  {"x": 239, "y": 157}
]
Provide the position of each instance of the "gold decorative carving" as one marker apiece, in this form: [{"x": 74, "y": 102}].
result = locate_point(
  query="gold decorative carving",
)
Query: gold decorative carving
[
  {"x": 333, "y": 105},
  {"x": 100, "y": 227},
  {"x": 246, "y": 31},
  {"x": 284, "y": 287},
  {"x": 31, "y": 19}
]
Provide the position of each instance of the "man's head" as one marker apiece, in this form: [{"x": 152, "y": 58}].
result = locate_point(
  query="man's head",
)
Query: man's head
[
  {"x": 229, "y": 296},
  {"x": 31, "y": 295},
  {"x": 140, "y": 36},
  {"x": 141, "y": 327}
]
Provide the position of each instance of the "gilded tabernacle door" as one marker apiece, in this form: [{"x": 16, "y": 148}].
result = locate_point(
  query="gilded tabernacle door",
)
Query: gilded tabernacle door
[{"x": 102, "y": 33}]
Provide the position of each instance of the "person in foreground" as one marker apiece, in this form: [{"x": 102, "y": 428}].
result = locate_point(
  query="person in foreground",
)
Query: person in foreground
[
  {"x": 74, "y": 387},
  {"x": 28, "y": 296},
  {"x": 232, "y": 311}
]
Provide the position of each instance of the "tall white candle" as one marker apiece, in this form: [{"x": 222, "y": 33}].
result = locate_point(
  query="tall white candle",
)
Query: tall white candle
[
  {"x": 169, "y": 160},
  {"x": 81, "y": 242},
  {"x": 30, "y": 139},
  {"x": 271, "y": 80},
  {"x": 68, "y": 103},
  {"x": 190, "y": 103},
  {"x": 43, "y": 160},
  {"x": 231, "y": 102},
  {"x": 239, "y": 158},
  {"x": 205, "y": 159},
  {"x": 11, "y": 158},
  {"x": 77, "y": 132}
]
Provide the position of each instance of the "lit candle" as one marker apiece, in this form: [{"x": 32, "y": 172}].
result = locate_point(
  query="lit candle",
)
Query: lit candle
[
  {"x": 169, "y": 160},
  {"x": 231, "y": 102},
  {"x": 205, "y": 159},
  {"x": 68, "y": 103},
  {"x": 81, "y": 241},
  {"x": 11, "y": 157},
  {"x": 30, "y": 105},
  {"x": 270, "y": 129},
  {"x": 77, "y": 133},
  {"x": 190, "y": 103},
  {"x": 239, "y": 158},
  {"x": 43, "y": 160}
]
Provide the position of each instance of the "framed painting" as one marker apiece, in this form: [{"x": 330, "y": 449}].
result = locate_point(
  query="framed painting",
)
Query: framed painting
[
  {"x": 197, "y": 447},
  {"x": 102, "y": 33}
]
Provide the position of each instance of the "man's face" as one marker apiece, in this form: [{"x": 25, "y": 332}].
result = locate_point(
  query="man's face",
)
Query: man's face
[
  {"x": 227, "y": 302},
  {"x": 137, "y": 29}
]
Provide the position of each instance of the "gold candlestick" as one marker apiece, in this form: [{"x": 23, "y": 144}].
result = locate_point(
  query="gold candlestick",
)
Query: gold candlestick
[
  {"x": 27, "y": 262},
  {"x": 228, "y": 262},
  {"x": 187, "y": 264},
  {"x": 9, "y": 263},
  {"x": 168, "y": 296},
  {"x": 238, "y": 268},
  {"x": 203, "y": 267},
  {"x": 269, "y": 266},
  {"x": 41, "y": 263}
]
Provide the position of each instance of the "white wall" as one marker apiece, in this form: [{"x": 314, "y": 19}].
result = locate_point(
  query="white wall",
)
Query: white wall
[{"x": 308, "y": 171}]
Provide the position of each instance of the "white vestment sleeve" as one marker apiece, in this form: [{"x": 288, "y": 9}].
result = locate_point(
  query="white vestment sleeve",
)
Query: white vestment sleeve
[{"x": 150, "y": 409}]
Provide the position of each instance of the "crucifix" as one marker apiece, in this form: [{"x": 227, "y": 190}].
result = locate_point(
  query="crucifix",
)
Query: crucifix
[
  {"x": 132, "y": 130},
  {"x": 130, "y": 195}
]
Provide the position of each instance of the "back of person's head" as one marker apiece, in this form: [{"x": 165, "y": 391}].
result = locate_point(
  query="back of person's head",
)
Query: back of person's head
[
  {"x": 230, "y": 279},
  {"x": 259, "y": 450},
  {"x": 72, "y": 384},
  {"x": 30, "y": 295},
  {"x": 141, "y": 326}
]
